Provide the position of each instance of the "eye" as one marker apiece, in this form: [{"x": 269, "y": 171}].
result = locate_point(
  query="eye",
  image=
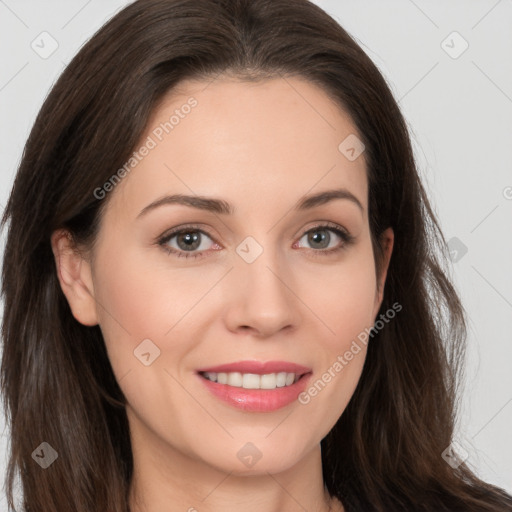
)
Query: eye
[
  {"x": 187, "y": 242},
  {"x": 191, "y": 242},
  {"x": 320, "y": 237}
]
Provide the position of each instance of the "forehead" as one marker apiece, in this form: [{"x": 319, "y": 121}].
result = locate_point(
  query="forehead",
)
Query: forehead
[{"x": 253, "y": 143}]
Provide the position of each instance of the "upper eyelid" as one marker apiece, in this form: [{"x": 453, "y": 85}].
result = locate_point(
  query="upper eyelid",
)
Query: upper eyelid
[{"x": 176, "y": 231}]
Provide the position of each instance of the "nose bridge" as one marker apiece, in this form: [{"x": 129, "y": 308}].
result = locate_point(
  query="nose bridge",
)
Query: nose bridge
[
  {"x": 263, "y": 300},
  {"x": 259, "y": 265}
]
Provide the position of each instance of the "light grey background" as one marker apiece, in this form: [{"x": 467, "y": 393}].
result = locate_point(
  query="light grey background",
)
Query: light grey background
[{"x": 459, "y": 108}]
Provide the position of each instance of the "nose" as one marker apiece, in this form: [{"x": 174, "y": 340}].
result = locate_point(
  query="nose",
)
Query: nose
[{"x": 262, "y": 299}]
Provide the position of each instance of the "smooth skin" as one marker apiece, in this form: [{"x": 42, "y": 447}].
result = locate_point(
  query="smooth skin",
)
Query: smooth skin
[{"x": 261, "y": 147}]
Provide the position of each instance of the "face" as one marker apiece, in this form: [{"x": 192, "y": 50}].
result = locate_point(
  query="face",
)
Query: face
[{"x": 180, "y": 288}]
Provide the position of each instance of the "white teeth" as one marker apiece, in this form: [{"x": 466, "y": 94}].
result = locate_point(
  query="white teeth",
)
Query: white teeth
[
  {"x": 252, "y": 380},
  {"x": 290, "y": 377},
  {"x": 222, "y": 378},
  {"x": 281, "y": 379},
  {"x": 268, "y": 381},
  {"x": 234, "y": 379}
]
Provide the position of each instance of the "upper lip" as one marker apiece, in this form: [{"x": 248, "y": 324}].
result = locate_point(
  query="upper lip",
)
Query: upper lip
[{"x": 258, "y": 367}]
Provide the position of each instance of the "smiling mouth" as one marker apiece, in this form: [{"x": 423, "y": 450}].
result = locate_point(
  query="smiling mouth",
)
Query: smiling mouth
[{"x": 266, "y": 381}]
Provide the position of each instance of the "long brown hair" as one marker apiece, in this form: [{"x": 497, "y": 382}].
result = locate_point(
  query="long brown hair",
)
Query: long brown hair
[{"x": 384, "y": 453}]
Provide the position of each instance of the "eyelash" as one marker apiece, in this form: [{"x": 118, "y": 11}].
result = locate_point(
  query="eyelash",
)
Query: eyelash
[{"x": 346, "y": 237}]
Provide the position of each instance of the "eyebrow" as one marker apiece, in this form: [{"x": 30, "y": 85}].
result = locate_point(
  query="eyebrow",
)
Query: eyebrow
[{"x": 220, "y": 206}]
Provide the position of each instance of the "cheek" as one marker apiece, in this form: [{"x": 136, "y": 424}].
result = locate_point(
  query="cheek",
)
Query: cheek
[
  {"x": 342, "y": 296},
  {"x": 151, "y": 299},
  {"x": 134, "y": 305},
  {"x": 343, "y": 300},
  {"x": 151, "y": 291}
]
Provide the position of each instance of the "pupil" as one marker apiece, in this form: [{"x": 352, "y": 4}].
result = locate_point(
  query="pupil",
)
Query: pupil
[
  {"x": 190, "y": 240},
  {"x": 314, "y": 237}
]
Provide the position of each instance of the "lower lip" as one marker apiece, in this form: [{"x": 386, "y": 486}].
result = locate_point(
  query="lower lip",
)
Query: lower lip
[{"x": 257, "y": 400}]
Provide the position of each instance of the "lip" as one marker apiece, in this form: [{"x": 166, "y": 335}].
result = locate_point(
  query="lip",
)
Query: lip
[
  {"x": 257, "y": 400},
  {"x": 258, "y": 367}
]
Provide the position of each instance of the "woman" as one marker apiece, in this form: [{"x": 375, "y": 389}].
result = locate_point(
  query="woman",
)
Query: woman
[{"x": 174, "y": 338}]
